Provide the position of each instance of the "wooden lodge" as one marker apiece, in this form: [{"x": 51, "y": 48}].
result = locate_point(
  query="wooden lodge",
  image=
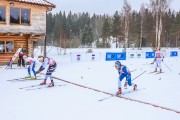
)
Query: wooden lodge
[{"x": 21, "y": 23}]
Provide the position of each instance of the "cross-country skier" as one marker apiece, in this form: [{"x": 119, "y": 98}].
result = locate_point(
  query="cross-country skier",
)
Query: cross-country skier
[
  {"x": 46, "y": 61},
  {"x": 159, "y": 59},
  {"x": 123, "y": 72},
  {"x": 31, "y": 61}
]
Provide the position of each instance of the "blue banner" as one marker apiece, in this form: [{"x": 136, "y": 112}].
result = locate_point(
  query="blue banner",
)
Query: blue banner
[
  {"x": 115, "y": 56},
  {"x": 150, "y": 54},
  {"x": 173, "y": 54}
]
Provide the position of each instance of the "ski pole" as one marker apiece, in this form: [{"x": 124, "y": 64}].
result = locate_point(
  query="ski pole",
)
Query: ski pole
[
  {"x": 139, "y": 75},
  {"x": 168, "y": 67},
  {"x": 133, "y": 70},
  {"x": 132, "y": 80},
  {"x": 105, "y": 98}
]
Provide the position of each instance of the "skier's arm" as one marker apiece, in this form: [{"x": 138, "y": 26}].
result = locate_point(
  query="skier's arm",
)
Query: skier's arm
[
  {"x": 43, "y": 66},
  {"x": 155, "y": 59},
  {"x": 40, "y": 69},
  {"x": 125, "y": 70}
]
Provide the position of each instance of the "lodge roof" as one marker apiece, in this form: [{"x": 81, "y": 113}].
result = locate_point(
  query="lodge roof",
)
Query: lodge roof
[{"x": 39, "y": 2}]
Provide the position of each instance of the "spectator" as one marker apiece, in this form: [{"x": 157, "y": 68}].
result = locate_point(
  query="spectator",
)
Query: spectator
[{"x": 21, "y": 59}]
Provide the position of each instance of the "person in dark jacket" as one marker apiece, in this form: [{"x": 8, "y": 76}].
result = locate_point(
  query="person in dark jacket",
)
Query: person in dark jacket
[{"x": 21, "y": 59}]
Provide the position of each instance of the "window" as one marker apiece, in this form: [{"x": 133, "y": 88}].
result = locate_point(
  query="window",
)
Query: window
[
  {"x": 9, "y": 46},
  {"x": 19, "y": 16},
  {"x": 6, "y": 46},
  {"x": 2, "y": 47},
  {"x": 25, "y": 16},
  {"x": 15, "y": 15},
  {"x": 2, "y": 14}
]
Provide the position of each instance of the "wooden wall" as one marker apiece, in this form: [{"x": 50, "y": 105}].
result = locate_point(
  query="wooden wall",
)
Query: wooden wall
[
  {"x": 37, "y": 27},
  {"x": 38, "y": 19},
  {"x": 26, "y": 41},
  {"x": 18, "y": 42}
]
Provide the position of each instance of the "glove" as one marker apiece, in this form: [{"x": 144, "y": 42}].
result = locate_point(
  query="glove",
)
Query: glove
[
  {"x": 125, "y": 85},
  {"x": 41, "y": 68},
  {"x": 37, "y": 72}
]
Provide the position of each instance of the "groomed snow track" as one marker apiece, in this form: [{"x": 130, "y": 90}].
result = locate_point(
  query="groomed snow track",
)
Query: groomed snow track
[{"x": 122, "y": 97}]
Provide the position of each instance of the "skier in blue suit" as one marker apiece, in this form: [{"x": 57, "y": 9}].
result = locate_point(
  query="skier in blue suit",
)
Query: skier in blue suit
[
  {"x": 31, "y": 61},
  {"x": 123, "y": 72}
]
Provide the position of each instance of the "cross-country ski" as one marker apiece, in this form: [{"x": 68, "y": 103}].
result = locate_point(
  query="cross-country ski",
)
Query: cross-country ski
[
  {"x": 123, "y": 93},
  {"x": 40, "y": 87}
]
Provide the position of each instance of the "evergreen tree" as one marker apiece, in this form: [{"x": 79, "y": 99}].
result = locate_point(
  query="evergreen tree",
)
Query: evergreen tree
[
  {"x": 87, "y": 37},
  {"x": 106, "y": 33},
  {"x": 116, "y": 27}
]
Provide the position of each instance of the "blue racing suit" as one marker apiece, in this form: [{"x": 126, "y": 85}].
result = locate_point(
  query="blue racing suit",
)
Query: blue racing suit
[
  {"x": 124, "y": 72},
  {"x": 32, "y": 62}
]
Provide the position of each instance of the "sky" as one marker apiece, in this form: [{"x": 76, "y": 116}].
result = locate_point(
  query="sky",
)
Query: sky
[{"x": 101, "y": 6}]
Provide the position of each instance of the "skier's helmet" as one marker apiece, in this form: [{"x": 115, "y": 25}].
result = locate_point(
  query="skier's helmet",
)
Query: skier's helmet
[
  {"x": 40, "y": 58},
  {"x": 117, "y": 63}
]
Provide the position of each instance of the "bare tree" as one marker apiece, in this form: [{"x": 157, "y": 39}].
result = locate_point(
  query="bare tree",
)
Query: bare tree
[
  {"x": 142, "y": 11},
  {"x": 127, "y": 10},
  {"x": 159, "y": 7}
]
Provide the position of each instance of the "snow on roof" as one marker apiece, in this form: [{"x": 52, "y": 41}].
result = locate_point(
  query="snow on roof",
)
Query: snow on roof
[{"x": 40, "y": 2}]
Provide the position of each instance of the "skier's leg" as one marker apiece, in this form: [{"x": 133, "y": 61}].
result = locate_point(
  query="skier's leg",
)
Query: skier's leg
[
  {"x": 44, "y": 81},
  {"x": 121, "y": 77},
  {"x": 20, "y": 61},
  {"x": 160, "y": 65},
  {"x": 156, "y": 65},
  {"x": 23, "y": 62},
  {"x": 34, "y": 72},
  {"x": 128, "y": 78},
  {"x": 29, "y": 71},
  {"x": 130, "y": 82},
  {"x": 49, "y": 72},
  {"x": 119, "y": 84}
]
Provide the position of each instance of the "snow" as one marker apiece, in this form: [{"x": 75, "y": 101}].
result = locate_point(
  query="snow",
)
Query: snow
[{"x": 71, "y": 102}]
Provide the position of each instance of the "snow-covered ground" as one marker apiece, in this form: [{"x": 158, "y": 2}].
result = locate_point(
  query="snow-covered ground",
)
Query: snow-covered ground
[{"x": 72, "y": 102}]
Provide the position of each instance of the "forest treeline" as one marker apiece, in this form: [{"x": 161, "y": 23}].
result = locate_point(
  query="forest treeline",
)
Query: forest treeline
[{"x": 152, "y": 26}]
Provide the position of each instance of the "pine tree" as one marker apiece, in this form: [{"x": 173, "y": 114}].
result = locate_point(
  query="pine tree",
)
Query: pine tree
[
  {"x": 106, "y": 33},
  {"x": 116, "y": 27}
]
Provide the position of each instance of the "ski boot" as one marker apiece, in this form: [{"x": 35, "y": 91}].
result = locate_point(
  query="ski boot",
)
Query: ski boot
[
  {"x": 160, "y": 70},
  {"x": 135, "y": 87},
  {"x": 51, "y": 84},
  {"x": 33, "y": 78},
  {"x": 119, "y": 92},
  {"x": 29, "y": 76},
  {"x": 155, "y": 70},
  {"x": 125, "y": 85},
  {"x": 43, "y": 82}
]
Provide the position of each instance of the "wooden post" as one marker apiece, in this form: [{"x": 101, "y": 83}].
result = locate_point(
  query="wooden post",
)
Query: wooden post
[{"x": 45, "y": 46}]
